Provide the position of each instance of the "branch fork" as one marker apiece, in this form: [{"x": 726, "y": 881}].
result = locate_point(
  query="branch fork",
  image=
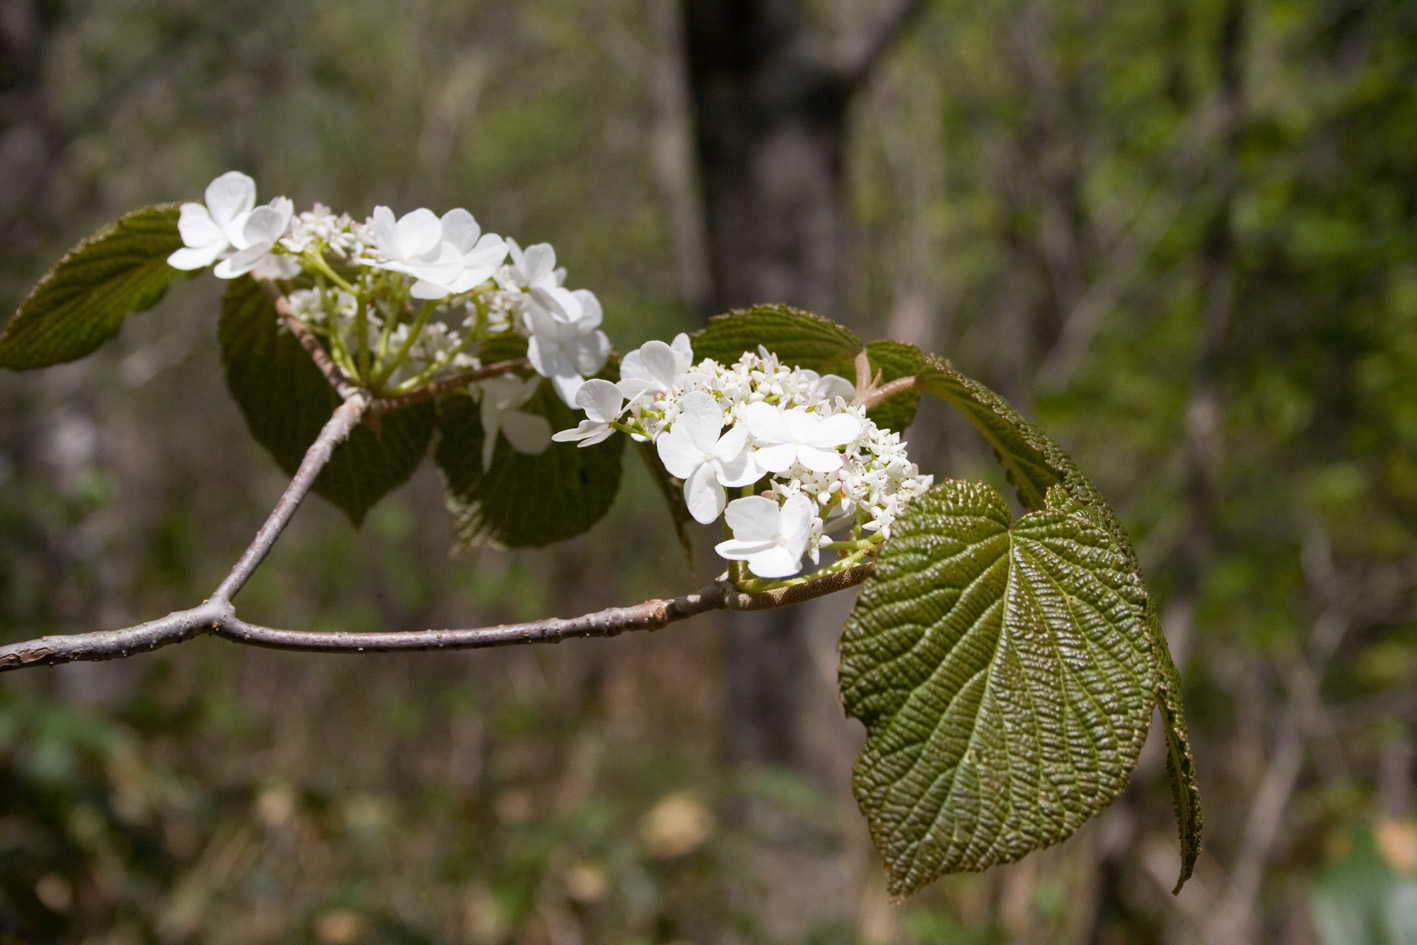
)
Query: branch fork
[{"x": 217, "y": 615}]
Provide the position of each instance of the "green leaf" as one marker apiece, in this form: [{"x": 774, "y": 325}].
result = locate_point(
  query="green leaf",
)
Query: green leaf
[
  {"x": 1035, "y": 464},
  {"x": 798, "y": 338},
  {"x": 1003, "y": 676},
  {"x": 1180, "y": 763},
  {"x": 1032, "y": 462},
  {"x": 82, "y": 301},
  {"x": 523, "y": 500},
  {"x": 287, "y": 401}
]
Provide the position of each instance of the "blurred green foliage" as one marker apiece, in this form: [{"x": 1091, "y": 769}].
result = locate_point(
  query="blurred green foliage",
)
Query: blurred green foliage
[{"x": 1038, "y": 189}]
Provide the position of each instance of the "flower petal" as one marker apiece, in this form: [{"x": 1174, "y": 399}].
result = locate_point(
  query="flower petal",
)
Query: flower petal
[
  {"x": 776, "y": 459},
  {"x": 419, "y": 233},
  {"x": 836, "y": 430},
  {"x": 197, "y": 227},
  {"x": 753, "y": 518},
  {"x": 677, "y": 451},
  {"x": 701, "y": 418},
  {"x": 600, "y": 400},
  {"x": 768, "y": 423},
  {"x": 703, "y": 495},
  {"x": 196, "y": 257},
  {"x": 229, "y": 196},
  {"x": 460, "y": 229},
  {"x": 817, "y": 459}
]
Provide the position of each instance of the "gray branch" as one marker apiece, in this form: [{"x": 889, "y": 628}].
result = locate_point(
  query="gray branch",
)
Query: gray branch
[{"x": 219, "y": 618}]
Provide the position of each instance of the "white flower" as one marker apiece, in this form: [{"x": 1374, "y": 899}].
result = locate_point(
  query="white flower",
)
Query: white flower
[
  {"x": 209, "y": 231},
  {"x": 227, "y": 228},
  {"x": 479, "y": 253},
  {"x": 566, "y": 351},
  {"x": 527, "y": 432},
  {"x": 531, "y": 268},
  {"x": 772, "y": 538},
  {"x": 602, "y": 403},
  {"x": 692, "y": 450},
  {"x": 655, "y": 367},
  {"x": 798, "y": 436},
  {"x": 565, "y": 305},
  {"x": 263, "y": 227},
  {"x": 447, "y": 256}
]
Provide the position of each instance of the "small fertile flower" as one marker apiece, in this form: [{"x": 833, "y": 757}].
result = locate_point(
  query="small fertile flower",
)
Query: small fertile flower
[
  {"x": 799, "y": 436},
  {"x": 692, "y": 450},
  {"x": 654, "y": 367},
  {"x": 772, "y": 538},
  {"x": 602, "y": 404},
  {"x": 566, "y": 351},
  {"x": 502, "y": 398},
  {"x": 226, "y": 228}
]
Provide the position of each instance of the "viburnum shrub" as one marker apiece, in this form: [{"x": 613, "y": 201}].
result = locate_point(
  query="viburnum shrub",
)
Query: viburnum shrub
[{"x": 1006, "y": 669}]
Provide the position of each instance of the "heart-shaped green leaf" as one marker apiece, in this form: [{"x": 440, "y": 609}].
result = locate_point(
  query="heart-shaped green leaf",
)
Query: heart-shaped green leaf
[
  {"x": 286, "y": 401},
  {"x": 522, "y": 499},
  {"x": 82, "y": 301},
  {"x": 1035, "y": 464},
  {"x": 1004, "y": 677}
]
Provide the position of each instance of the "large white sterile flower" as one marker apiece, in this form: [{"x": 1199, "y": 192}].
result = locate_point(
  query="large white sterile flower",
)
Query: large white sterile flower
[
  {"x": 799, "y": 436},
  {"x": 209, "y": 230},
  {"x": 502, "y": 398},
  {"x": 227, "y": 228},
  {"x": 602, "y": 404},
  {"x": 262, "y": 228},
  {"x": 479, "y": 253},
  {"x": 447, "y": 255},
  {"x": 772, "y": 538},
  {"x": 531, "y": 268},
  {"x": 566, "y": 351},
  {"x": 654, "y": 367},
  {"x": 565, "y": 305},
  {"x": 692, "y": 450}
]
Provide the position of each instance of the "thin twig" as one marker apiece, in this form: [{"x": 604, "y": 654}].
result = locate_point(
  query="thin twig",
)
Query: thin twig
[
  {"x": 346, "y": 417},
  {"x": 219, "y": 617}
]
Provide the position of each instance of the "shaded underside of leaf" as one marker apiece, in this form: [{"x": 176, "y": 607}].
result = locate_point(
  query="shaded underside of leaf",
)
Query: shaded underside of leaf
[
  {"x": 81, "y": 302},
  {"x": 1003, "y": 678},
  {"x": 287, "y": 401},
  {"x": 523, "y": 500}
]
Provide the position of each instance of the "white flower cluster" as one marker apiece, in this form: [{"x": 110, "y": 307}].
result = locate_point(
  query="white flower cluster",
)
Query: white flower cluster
[
  {"x": 823, "y": 466},
  {"x": 355, "y": 283},
  {"x": 341, "y": 235}
]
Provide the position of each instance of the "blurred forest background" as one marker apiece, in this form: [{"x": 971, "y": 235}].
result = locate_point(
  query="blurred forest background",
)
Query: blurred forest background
[{"x": 1180, "y": 235}]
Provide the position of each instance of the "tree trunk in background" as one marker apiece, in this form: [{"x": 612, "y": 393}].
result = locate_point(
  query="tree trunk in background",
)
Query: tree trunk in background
[{"x": 771, "y": 97}]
